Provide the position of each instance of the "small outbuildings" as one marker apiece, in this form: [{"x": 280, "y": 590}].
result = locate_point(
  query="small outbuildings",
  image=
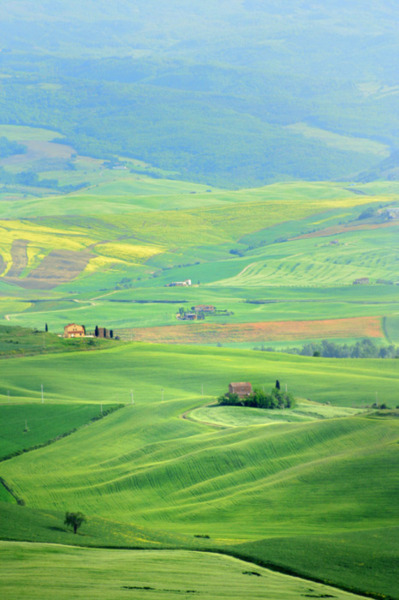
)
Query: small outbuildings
[
  {"x": 185, "y": 283},
  {"x": 206, "y": 308},
  {"x": 242, "y": 389},
  {"x": 74, "y": 331}
]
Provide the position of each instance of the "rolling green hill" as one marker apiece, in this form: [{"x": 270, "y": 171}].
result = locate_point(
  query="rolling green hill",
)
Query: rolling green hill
[
  {"x": 171, "y": 574},
  {"x": 241, "y": 485},
  {"x": 250, "y": 149},
  {"x": 104, "y": 254}
]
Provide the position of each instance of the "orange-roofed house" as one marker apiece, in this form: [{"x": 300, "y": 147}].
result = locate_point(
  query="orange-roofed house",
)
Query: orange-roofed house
[{"x": 74, "y": 331}]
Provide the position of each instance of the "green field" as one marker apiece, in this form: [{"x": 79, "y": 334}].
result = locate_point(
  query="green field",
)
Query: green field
[
  {"x": 234, "y": 416},
  {"x": 93, "y": 256},
  {"x": 284, "y": 489},
  {"x": 30, "y": 425},
  {"x": 142, "y": 574},
  {"x": 218, "y": 184},
  {"x": 250, "y": 483}
]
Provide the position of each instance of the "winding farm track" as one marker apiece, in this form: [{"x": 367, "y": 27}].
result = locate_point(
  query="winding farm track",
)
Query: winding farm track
[
  {"x": 186, "y": 416},
  {"x": 85, "y": 303}
]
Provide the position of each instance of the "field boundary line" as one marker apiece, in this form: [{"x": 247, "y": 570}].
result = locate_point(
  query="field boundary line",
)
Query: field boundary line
[{"x": 9, "y": 489}]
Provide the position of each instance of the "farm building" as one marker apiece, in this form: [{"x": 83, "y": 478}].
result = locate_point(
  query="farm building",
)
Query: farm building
[
  {"x": 102, "y": 332},
  {"x": 206, "y": 308},
  {"x": 362, "y": 281},
  {"x": 185, "y": 283},
  {"x": 242, "y": 389},
  {"x": 187, "y": 316},
  {"x": 74, "y": 331}
]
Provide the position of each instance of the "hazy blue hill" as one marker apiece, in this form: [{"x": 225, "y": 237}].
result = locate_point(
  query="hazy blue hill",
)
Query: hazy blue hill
[{"x": 228, "y": 93}]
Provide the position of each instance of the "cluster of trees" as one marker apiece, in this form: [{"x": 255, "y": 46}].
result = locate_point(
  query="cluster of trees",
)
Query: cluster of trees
[
  {"x": 9, "y": 147},
  {"x": 108, "y": 333},
  {"x": 365, "y": 348},
  {"x": 260, "y": 399},
  {"x": 32, "y": 179}
]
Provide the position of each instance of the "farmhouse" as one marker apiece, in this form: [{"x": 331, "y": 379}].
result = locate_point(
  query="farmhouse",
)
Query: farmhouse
[
  {"x": 362, "y": 281},
  {"x": 206, "y": 308},
  {"x": 185, "y": 283},
  {"x": 242, "y": 389},
  {"x": 74, "y": 331}
]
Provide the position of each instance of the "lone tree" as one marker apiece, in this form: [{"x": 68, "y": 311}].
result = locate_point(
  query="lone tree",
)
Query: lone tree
[
  {"x": 74, "y": 520},
  {"x": 46, "y": 328},
  {"x": 277, "y": 384}
]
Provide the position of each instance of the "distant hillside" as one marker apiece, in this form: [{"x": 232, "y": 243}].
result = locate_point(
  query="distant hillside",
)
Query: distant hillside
[
  {"x": 232, "y": 93},
  {"x": 387, "y": 169}
]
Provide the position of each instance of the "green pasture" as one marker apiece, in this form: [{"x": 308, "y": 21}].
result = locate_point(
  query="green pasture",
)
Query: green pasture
[
  {"x": 20, "y": 133},
  {"x": 170, "y": 574},
  {"x": 27, "y": 425},
  {"x": 239, "y": 416},
  {"x": 23, "y": 523},
  {"x": 234, "y": 484},
  {"x": 391, "y": 325},
  {"x": 135, "y": 251},
  {"x": 182, "y": 370},
  {"x": 362, "y": 560},
  {"x": 371, "y": 254},
  {"x": 239, "y": 484}
]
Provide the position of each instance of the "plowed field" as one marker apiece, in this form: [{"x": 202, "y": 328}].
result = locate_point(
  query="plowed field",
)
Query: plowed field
[{"x": 195, "y": 333}]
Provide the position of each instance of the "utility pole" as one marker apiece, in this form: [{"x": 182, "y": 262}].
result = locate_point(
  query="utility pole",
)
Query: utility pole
[
  {"x": 286, "y": 388},
  {"x": 132, "y": 396},
  {"x": 42, "y": 394},
  {"x": 101, "y": 408},
  {"x": 8, "y": 396},
  {"x": 162, "y": 394},
  {"x": 202, "y": 389}
]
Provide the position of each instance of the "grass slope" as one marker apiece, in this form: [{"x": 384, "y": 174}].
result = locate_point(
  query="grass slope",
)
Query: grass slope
[
  {"x": 21, "y": 341},
  {"x": 28, "y": 425},
  {"x": 142, "y": 574},
  {"x": 147, "y": 467}
]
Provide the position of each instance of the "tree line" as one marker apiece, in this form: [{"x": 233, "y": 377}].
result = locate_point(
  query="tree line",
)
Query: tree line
[{"x": 365, "y": 348}]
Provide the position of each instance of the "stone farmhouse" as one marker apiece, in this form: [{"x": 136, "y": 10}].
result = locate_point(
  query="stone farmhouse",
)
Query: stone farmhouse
[
  {"x": 242, "y": 389},
  {"x": 74, "y": 331}
]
